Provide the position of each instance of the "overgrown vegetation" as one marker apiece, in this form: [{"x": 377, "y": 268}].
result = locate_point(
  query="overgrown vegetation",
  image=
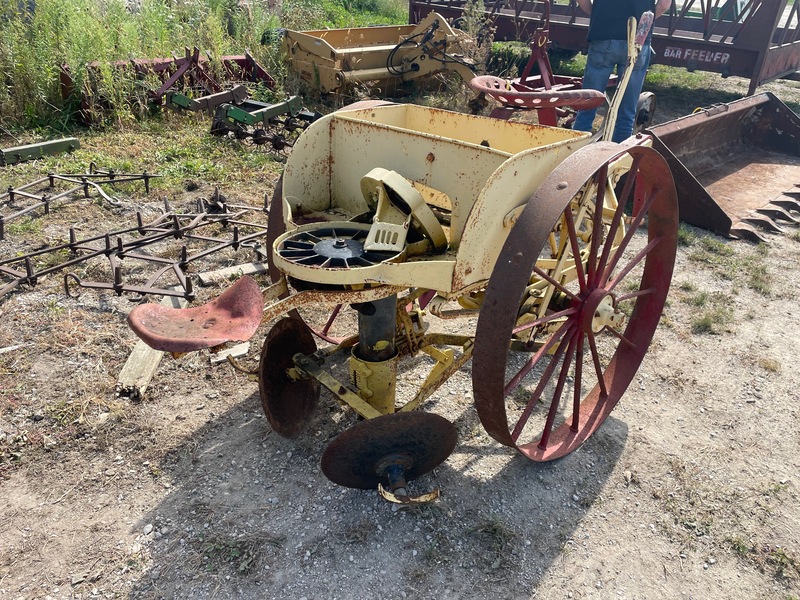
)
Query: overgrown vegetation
[{"x": 37, "y": 38}]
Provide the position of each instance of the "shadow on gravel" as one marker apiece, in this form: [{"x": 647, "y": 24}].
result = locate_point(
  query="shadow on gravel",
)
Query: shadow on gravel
[{"x": 250, "y": 515}]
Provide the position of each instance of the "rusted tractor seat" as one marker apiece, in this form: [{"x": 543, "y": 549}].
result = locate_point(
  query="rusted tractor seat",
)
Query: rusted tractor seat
[
  {"x": 517, "y": 95},
  {"x": 233, "y": 316}
]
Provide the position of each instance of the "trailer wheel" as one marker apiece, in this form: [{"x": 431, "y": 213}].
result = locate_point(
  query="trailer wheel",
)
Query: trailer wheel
[{"x": 558, "y": 341}]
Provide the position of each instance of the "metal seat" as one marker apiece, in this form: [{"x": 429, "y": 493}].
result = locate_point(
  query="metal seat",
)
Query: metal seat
[{"x": 233, "y": 316}]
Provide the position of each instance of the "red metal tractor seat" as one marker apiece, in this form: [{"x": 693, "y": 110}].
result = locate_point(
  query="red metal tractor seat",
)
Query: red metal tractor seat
[
  {"x": 517, "y": 95},
  {"x": 233, "y": 316}
]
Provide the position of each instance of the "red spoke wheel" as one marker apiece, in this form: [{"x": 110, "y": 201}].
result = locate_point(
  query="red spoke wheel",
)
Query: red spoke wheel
[
  {"x": 289, "y": 404},
  {"x": 573, "y": 301},
  {"x": 413, "y": 443}
]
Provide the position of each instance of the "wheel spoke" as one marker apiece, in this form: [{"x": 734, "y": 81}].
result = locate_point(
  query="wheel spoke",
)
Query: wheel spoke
[
  {"x": 594, "y": 238},
  {"x": 568, "y": 341},
  {"x": 621, "y": 337},
  {"x": 576, "y": 392},
  {"x": 597, "y": 224},
  {"x": 314, "y": 259},
  {"x": 637, "y": 220},
  {"x": 635, "y": 294},
  {"x": 554, "y": 283},
  {"x": 576, "y": 253},
  {"x": 298, "y": 245},
  {"x": 568, "y": 312},
  {"x": 634, "y": 261},
  {"x": 630, "y": 180},
  {"x": 294, "y": 254},
  {"x": 598, "y": 368},
  {"x": 531, "y": 363},
  {"x": 622, "y": 201},
  {"x": 562, "y": 378}
]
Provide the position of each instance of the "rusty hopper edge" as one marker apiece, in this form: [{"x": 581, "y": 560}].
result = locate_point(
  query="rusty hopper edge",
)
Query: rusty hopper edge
[{"x": 735, "y": 165}]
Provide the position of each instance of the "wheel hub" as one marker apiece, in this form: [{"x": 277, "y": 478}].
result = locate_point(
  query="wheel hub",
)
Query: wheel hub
[
  {"x": 599, "y": 311},
  {"x": 339, "y": 248},
  {"x": 328, "y": 246}
]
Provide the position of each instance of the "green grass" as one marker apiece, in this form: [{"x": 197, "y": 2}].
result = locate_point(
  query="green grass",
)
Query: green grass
[
  {"x": 33, "y": 46},
  {"x": 739, "y": 263},
  {"x": 23, "y": 226},
  {"x": 686, "y": 235},
  {"x": 239, "y": 554},
  {"x": 713, "y": 313},
  {"x": 508, "y": 59},
  {"x": 711, "y": 321},
  {"x": 749, "y": 265},
  {"x": 672, "y": 86},
  {"x": 175, "y": 146},
  {"x": 739, "y": 545},
  {"x": 769, "y": 364},
  {"x": 700, "y": 299}
]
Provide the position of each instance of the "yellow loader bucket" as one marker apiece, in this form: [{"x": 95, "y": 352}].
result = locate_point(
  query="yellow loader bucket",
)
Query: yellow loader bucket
[{"x": 736, "y": 166}]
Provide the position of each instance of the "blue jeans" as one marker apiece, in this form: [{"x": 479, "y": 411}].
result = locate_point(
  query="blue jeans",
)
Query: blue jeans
[{"x": 604, "y": 56}]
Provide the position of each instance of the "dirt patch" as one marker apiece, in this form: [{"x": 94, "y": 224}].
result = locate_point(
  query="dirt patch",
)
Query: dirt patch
[{"x": 690, "y": 489}]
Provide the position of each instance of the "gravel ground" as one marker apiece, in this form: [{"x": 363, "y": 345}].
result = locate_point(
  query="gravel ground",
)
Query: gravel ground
[{"x": 689, "y": 490}]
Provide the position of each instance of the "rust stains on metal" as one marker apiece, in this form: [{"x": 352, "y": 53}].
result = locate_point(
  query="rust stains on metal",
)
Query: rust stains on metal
[
  {"x": 233, "y": 316},
  {"x": 365, "y": 455},
  {"x": 731, "y": 161}
]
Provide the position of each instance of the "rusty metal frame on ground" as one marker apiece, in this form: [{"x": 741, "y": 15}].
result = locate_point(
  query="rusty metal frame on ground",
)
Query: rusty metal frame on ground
[
  {"x": 130, "y": 243},
  {"x": 189, "y": 71},
  {"x": 82, "y": 183}
]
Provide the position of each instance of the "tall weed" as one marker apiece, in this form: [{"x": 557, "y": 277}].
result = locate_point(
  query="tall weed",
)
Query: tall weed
[{"x": 38, "y": 37}]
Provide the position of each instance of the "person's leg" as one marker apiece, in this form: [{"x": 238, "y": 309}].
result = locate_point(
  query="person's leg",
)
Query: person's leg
[
  {"x": 599, "y": 66},
  {"x": 627, "y": 108}
]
